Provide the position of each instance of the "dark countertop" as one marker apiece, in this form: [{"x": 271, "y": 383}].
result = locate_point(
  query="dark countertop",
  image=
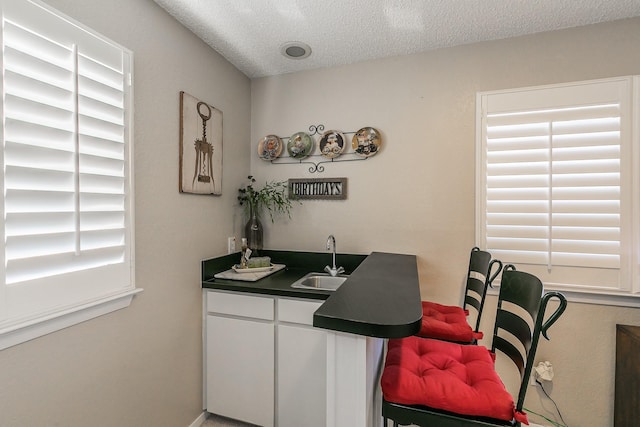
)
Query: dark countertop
[{"x": 381, "y": 297}]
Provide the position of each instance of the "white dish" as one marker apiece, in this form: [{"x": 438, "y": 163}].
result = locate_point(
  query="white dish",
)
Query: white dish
[
  {"x": 270, "y": 147},
  {"x": 332, "y": 144},
  {"x": 300, "y": 145},
  {"x": 366, "y": 142}
]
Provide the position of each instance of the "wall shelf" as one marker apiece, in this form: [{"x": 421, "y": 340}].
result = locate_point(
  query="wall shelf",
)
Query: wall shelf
[
  {"x": 317, "y": 166},
  {"x": 317, "y": 161}
]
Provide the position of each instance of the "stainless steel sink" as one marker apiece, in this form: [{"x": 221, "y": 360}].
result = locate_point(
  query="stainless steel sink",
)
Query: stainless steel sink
[{"x": 320, "y": 281}]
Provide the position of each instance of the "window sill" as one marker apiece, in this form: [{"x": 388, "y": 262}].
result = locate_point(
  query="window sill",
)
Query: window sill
[
  {"x": 17, "y": 333},
  {"x": 598, "y": 298}
]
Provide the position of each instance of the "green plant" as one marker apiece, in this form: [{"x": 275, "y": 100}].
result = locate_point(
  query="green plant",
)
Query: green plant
[{"x": 272, "y": 197}]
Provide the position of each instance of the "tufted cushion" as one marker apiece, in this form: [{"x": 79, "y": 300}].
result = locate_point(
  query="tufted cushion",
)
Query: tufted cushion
[
  {"x": 446, "y": 376},
  {"x": 445, "y": 322}
]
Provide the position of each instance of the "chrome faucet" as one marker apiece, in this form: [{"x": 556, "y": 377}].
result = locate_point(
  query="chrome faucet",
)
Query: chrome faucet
[{"x": 331, "y": 246}]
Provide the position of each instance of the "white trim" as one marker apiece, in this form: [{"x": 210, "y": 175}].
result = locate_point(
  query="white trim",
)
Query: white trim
[
  {"x": 520, "y": 90},
  {"x": 331, "y": 379},
  {"x": 200, "y": 420},
  {"x": 481, "y": 170},
  {"x": 634, "y": 257},
  {"x": 204, "y": 349},
  {"x": 28, "y": 330}
]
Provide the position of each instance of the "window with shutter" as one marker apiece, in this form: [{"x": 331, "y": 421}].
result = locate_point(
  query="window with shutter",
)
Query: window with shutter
[
  {"x": 555, "y": 188},
  {"x": 68, "y": 226}
]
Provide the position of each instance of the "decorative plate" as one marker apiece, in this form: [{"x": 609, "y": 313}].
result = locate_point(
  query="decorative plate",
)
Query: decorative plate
[
  {"x": 366, "y": 142},
  {"x": 270, "y": 147},
  {"x": 332, "y": 144},
  {"x": 238, "y": 269},
  {"x": 300, "y": 145}
]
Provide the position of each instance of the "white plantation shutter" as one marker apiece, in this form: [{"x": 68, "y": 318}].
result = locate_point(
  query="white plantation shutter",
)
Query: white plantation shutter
[
  {"x": 67, "y": 174},
  {"x": 556, "y": 177}
]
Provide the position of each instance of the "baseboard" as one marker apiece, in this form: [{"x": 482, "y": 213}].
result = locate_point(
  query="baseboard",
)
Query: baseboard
[{"x": 199, "y": 421}]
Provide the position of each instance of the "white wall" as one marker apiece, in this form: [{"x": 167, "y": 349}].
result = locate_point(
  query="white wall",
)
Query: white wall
[
  {"x": 417, "y": 194},
  {"x": 142, "y": 366}
]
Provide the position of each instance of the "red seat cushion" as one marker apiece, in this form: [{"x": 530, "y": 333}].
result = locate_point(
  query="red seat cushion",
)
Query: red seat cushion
[
  {"x": 446, "y": 322},
  {"x": 446, "y": 376}
]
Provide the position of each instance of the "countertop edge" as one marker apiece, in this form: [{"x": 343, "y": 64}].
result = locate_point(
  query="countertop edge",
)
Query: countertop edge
[{"x": 380, "y": 299}]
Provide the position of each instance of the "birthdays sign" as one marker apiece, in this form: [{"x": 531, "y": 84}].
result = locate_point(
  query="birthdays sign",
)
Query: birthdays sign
[{"x": 318, "y": 188}]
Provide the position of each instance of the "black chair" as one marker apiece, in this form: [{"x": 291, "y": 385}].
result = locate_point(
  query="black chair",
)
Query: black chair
[
  {"x": 521, "y": 295},
  {"x": 450, "y": 323}
]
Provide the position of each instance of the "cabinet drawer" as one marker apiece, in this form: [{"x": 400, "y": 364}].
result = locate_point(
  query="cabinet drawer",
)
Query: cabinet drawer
[
  {"x": 240, "y": 305},
  {"x": 297, "y": 311}
]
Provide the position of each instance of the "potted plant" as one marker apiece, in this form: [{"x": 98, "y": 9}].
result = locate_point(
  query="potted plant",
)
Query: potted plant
[{"x": 271, "y": 197}]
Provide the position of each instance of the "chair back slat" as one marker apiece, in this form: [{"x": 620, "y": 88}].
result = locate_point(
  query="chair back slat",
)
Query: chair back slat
[
  {"x": 480, "y": 275},
  {"x": 479, "y": 261},
  {"x": 510, "y": 351},
  {"x": 519, "y": 330},
  {"x": 475, "y": 289},
  {"x": 522, "y": 289}
]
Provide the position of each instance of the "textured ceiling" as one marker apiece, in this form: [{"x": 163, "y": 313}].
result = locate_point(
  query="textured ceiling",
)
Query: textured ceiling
[{"x": 249, "y": 33}]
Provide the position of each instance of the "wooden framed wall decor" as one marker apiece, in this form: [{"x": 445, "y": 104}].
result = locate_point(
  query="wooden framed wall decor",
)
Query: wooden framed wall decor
[
  {"x": 200, "y": 147},
  {"x": 318, "y": 188}
]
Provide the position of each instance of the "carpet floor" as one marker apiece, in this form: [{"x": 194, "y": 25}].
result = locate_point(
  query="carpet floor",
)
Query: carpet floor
[{"x": 218, "y": 421}]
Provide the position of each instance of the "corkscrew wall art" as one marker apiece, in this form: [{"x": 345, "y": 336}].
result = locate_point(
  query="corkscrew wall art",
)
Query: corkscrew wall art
[{"x": 200, "y": 147}]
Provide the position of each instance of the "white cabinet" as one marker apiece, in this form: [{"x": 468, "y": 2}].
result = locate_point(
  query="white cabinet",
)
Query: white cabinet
[
  {"x": 267, "y": 365},
  {"x": 240, "y": 361},
  {"x": 301, "y": 365}
]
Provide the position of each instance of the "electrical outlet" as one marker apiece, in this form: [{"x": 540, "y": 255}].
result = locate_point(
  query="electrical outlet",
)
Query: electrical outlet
[
  {"x": 231, "y": 245},
  {"x": 543, "y": 372},
  {"x": 533, "y": 378}
]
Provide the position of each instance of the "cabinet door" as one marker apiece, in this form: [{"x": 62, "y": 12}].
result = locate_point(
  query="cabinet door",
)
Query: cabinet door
[
  {"x": 240, "y": 369},
  {"x": 302, "y": 376}
]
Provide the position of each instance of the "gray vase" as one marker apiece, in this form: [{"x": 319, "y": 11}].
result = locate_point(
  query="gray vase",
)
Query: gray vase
[{"x": 253, "y": 231}]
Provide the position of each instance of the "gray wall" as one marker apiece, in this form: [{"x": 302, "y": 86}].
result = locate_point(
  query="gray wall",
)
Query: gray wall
[{"x": 141, "y": 366}]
